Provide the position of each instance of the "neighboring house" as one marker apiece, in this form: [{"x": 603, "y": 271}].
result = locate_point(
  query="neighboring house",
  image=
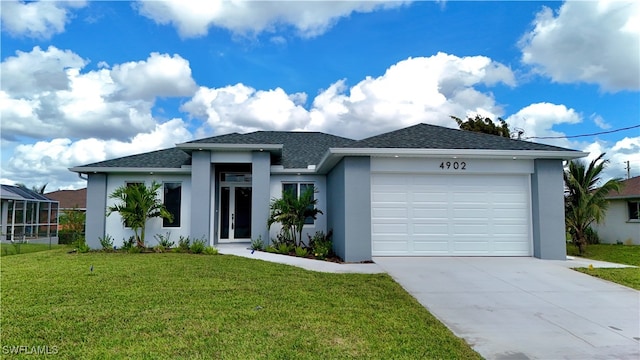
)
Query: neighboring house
[
  {"x": 420, "y": 191},
  {"x": 622, "y": 221},
  {"x": 70, "y": 200},
  {"x": 27, "y": 216}
]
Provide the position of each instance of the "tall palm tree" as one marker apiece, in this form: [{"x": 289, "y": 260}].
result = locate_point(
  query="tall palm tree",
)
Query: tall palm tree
[
  {"x": 584, "y": 201},
  {"x": 137, "y": 204}
]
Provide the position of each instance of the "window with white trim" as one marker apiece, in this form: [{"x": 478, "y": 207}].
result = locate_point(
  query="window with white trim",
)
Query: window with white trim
[
  {"x": 172, "y": 202},
  {"x": 634, "y": 210},
  {"x": 296, "y": 189}
]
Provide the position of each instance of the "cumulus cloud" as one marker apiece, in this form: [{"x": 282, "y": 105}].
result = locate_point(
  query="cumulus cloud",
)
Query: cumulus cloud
[
  {"x": 48, "y": 161},
  {"x": 194, "y": 18},
  {"x": 596, "y": 42},
  {"x": 425, "y": 89},
  {"x": 240, "y": 108},
  {"x": 46, "y": 92},
  {"x": 40, "y": 19},
  {"x": 537, "y": 120}
]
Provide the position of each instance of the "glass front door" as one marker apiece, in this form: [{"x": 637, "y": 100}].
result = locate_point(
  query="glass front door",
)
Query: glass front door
[{"x": 235, "y": 212}]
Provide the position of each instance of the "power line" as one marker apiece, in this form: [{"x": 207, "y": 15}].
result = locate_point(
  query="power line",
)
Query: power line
[{"x": 583, "y": 135}]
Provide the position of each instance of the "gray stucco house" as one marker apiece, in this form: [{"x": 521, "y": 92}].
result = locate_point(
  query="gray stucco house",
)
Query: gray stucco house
[{"x": 419, "y": 191}]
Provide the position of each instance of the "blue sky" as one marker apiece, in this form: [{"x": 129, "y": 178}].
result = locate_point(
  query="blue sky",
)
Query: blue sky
[{"x": 88, "y": 81}]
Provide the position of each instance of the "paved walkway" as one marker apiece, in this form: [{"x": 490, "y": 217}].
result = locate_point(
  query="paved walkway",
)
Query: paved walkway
[
  {"x": 509, "y": 308},
  {"x": 309, "y": 264}
]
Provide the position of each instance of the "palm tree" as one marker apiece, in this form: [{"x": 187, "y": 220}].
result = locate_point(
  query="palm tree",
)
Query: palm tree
[
  {"x": 584, "y": 201},
  {"x": 137, "y": 204},
  {"x": 292, "y": 211}
]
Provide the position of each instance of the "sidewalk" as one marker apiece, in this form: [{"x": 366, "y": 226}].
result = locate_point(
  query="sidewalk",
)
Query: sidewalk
[{"x": 244, "y": 250}]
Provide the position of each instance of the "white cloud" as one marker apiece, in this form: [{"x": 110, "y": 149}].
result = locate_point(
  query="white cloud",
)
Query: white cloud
[
  {"x": 240, "y": 108},
  {"x": 425, "y": 89},
  {"x": 415, "y": 90},
  {"x": 537, "y": 120},
  {"x": 193, "y": 18},
  {"x": 596, "y": 42},
  {"x": 41, "y": 19},
  {"x": 48, "y": 161},
  {"x": 600, "y": 122},
  {"x": 46, "y": 92}
]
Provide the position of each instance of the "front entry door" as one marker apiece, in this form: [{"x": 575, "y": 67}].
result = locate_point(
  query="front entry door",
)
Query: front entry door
[{"x": 235, "y": 212}]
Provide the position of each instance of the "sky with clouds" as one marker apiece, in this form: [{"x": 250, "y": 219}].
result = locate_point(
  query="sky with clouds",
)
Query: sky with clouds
[{"x": 86, "y": 81}]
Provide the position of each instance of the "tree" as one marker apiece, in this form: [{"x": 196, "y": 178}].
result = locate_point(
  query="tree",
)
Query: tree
[
  {"x": 137, "y": 204},
  {"x": 291, "y": 211},
  {"x": 484, "y": 125},
  {"x": 36, "y": 189},
  {"x": 73, "y": 222},
  {"x": 584, "y": 201}
]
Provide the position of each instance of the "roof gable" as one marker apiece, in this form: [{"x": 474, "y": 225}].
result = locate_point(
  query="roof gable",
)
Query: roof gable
[
  {"x": 425, "y": 136},
  {"x": 299, "y": 148}
]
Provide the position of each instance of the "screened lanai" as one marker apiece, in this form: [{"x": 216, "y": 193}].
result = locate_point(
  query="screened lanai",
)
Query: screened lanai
[{"x": 28, "y": 216}]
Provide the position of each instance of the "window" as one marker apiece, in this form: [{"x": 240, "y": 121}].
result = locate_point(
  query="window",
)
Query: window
[
  {"x": 297, "y": 189},
  {"x": 634, "y": 210},
  {"x": 172, "y": 200}
]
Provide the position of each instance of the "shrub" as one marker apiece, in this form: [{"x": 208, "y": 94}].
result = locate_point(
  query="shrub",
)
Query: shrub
[
  {"x": 65, "y": 237},
  {"x": 321, "y": 244},
  {"x": 135, "y": 249},
  {"x": 164, "y": 241},
  {"x": 301, "y": 252},
  {"x": 285, "y": 249},
  {"x": 257, "y": 244},
  {"x": 106, "y": 242},
  {"x": 210, "y": 250},
  {"x": 271, "y": 249},
  {"x": 184, "y": 243},
  {"x": 198, "y": 246},
  {"x": 128, "y": 244}
]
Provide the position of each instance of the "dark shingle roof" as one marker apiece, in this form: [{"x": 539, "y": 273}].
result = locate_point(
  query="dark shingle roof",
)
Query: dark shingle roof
[
  {"x": 167, "y": 158},
  {"x": 425, "y": 136},
  {"x": 299, "y": 149}
]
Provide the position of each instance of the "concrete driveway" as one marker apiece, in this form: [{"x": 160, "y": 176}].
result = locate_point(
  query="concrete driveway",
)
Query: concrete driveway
[{"x": 524, "y": 308}]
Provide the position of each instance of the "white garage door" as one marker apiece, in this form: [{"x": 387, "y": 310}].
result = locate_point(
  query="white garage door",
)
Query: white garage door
[{"x": 450, "y": 215}]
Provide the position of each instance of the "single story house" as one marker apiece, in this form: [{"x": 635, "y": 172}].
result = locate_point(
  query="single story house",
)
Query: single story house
[
  {"x": 622, "y": 219},
  {"x": 27, "y": 216},
  {"x": 423, "y": 190}
]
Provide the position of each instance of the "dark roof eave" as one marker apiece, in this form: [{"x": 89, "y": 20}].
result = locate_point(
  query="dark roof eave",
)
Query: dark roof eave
[{"x": 114, "y": 169}]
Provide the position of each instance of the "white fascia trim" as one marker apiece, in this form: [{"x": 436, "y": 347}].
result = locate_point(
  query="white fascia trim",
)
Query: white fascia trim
[
  {"x": 467, "y": 153},
  {"x": 230, "y": 147},
  {"x": 279, "y": 169},
  {"x": 151, "y": 171}
]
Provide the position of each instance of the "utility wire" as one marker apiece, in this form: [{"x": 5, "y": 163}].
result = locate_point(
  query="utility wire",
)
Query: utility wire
[{"x": 583, "y": 135}]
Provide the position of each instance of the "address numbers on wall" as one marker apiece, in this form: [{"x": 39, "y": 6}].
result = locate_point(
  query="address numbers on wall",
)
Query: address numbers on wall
[{"x": 453, "y": 165}]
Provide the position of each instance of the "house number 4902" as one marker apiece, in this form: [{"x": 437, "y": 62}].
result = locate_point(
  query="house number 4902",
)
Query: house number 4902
[{"x": 455, "y": 165}]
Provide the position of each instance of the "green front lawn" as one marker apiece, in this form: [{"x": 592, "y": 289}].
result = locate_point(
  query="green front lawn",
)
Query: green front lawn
[
  {"x": 25, "y": 248},
  {"x": 621, "y": 254},
  {"x": 193, "y": 306}
]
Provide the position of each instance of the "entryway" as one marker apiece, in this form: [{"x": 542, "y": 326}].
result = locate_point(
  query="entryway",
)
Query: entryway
[{"x": 235, "y": 207}]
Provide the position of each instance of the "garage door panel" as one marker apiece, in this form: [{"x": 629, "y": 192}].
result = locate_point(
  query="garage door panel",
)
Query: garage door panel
[{"x": 466, "y": 215}]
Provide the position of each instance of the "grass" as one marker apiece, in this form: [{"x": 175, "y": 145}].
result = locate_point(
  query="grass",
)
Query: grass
[
  {"x": 7, "y": 249},
  {"x": 621, "y": 254},
  {"x": 170, "y": 305}
]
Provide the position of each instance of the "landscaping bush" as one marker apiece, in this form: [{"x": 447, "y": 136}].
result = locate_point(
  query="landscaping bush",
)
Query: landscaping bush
[
  {"x": 106, "y": 242},
  {"x": 210, "y": 250},
  {"x": 257, "y": 244},
  {"x": 301, "y": 251},
  {"x": 184, "y": 244},
  {"x": 198, "y": 246},
  {"x": 128, "y": 244},
  {"x": 321, "y": 245},
  {"x": 163, "y": 240}
]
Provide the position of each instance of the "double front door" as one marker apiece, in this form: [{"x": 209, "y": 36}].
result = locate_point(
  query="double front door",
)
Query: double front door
[{"x": 235, "y": 212}]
